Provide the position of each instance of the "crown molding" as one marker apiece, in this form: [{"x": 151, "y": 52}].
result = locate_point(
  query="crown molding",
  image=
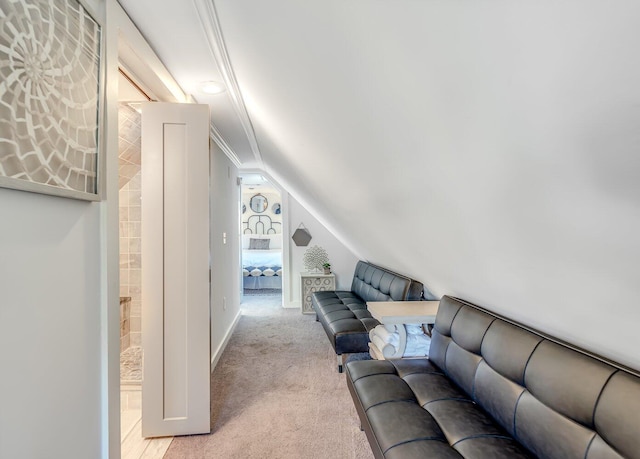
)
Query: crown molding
[
  {"x": 224, "y": 146},
  {"x": 213, "y": 32}
]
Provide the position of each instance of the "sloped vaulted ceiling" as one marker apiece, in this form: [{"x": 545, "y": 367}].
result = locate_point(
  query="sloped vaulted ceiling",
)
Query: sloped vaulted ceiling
[{"x": 489, "y": 149}]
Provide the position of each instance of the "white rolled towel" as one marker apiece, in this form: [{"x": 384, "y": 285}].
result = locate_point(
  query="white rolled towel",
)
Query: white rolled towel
[
  {"x": 385, "y": 335},
  {"x": 387, "y": 349},
  {"x": 389, "y": 328},
  {"x": 375, "y": 353}
]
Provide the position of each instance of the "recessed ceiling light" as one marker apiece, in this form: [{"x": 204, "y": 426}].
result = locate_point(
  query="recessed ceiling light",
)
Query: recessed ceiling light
[{"x": 212, "y": 87}]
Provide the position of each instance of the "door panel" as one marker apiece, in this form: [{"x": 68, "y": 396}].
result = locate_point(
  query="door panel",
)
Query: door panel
[{"x": 175, "y": 269}]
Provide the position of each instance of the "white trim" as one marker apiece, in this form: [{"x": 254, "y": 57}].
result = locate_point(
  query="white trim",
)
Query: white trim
[
  {"x": 109, "y": 244},
  {"x": 122, "y": 38},
  {"x": 256, "y": 170},
  {"x": 52, "y": 190},
  {"x": 212, "y": 30},
  {"x": 224, "y": 146},
  {"x": 287, "y": 294},
  {"x": 215, "y": 357},
  {"x": 293, "y": 304},
  {"x": 143, "y": 64}
]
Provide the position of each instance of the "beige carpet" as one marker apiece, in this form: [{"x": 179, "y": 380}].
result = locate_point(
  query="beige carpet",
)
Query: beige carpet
[{"x": 276, "y": 394}]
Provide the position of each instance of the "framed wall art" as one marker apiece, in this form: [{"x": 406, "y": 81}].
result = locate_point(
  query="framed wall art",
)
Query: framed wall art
[{"x": 51, "y": 92}]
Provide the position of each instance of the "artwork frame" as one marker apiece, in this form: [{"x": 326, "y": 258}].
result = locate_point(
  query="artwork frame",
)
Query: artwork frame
[{"x": 52, "y": 96}]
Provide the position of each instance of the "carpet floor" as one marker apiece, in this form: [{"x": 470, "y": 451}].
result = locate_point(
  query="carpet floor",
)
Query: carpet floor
[
  {"x": 275, "y": 393},
  {"x": 262, "y": 291}
]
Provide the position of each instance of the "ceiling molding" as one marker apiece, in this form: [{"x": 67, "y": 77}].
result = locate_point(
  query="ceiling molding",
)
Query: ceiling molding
[
  {"x": 224, "y": 146},
  {"x": 142, "y": 64},
  {"x": 213, "y": 32}
]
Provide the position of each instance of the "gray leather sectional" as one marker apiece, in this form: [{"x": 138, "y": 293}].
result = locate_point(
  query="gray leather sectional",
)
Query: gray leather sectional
[
  {"x": 493, "y": 389},
  {"x": 344, "y": 315}
]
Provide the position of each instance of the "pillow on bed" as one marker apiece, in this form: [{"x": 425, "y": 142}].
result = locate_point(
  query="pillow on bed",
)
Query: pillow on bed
[
  {"x": 259, "y": 244},
  {"x": 276, "y": 240}
]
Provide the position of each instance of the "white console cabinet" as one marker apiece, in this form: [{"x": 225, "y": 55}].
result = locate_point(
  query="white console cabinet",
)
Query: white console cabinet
[{"x": 314, "y": 282}]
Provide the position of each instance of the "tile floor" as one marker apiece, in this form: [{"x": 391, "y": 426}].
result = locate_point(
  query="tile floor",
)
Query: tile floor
[{"x": 133, "y": 445}]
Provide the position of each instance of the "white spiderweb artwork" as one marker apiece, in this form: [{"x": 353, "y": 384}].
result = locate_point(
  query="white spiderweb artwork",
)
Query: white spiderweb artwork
[
  {"x": 49, "y": 94},
  {"x": 314, "y": 257}
]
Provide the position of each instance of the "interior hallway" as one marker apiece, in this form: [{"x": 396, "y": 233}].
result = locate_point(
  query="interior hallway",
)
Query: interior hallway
[
  {"x": 262, "y": 307},
  {"x": 275, "y": 393}
]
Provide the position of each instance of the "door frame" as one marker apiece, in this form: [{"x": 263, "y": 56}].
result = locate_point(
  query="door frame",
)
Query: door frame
[
  {"x": 124, "y": 42},
  {"x": 286, "y": 249}
]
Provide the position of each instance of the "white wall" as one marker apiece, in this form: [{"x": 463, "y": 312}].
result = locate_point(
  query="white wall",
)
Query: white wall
[
  {"x": 50, "y": 322},
  {"x": 343, "y": 261},
  {"x": 53, "y": 323},
  {"x": 488, "y": 149},
  {"x": 225, "y": 257},
  {"x": 59, "y": 313}
]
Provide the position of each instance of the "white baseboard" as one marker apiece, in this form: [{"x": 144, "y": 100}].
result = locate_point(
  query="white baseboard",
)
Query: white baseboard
[
  {"x": 215, "y": 357},
  {"x": 292, "y": 305}
]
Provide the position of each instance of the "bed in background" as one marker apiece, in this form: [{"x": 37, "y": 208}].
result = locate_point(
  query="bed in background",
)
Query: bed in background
[{"x": 262, "y": 261}]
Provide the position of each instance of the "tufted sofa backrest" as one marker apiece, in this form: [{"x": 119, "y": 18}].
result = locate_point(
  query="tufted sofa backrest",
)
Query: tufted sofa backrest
[
  {"x": 373, "y": 283},
  {"x": 558, "y": 402}
]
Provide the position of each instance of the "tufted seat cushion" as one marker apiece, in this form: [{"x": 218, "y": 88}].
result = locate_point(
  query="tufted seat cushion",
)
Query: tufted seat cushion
[
  {"x": 494, "y": 389},
  {"x": 427, "y": 409},
  {"x": 344, "y": 314}
]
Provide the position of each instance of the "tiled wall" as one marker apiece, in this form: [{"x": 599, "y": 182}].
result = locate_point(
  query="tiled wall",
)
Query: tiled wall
[
  {"x": 130, "y": 264},
  {"x": 125, "y": 322},
  {"x": 129, "y": 143},
  {"x": 130, "y": 260}
]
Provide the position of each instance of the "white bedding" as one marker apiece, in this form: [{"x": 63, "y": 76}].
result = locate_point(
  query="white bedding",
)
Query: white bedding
[
  {"x": 259, "y": 258},
  {"x": 265, "y": 265}
]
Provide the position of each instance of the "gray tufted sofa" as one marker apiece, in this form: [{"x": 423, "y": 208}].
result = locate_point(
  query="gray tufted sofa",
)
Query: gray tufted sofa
[
  {"x": 492, "y": 389},
  {"x": 344, "y": 315}
]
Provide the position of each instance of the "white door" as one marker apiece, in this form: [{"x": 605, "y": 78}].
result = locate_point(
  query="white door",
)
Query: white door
[{"x": 175, "y": 269}]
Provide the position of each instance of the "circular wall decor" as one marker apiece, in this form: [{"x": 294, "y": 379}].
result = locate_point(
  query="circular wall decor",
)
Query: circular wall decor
[{"x": 258, "y": 203}]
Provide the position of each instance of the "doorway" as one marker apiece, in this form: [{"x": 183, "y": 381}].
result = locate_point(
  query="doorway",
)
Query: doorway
[
  {"x": 143, "y": 78},
  {"x": 130, "y": 194},
  {"x": 130, "y": 96},
  {"x": 261, "y": 239}
]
